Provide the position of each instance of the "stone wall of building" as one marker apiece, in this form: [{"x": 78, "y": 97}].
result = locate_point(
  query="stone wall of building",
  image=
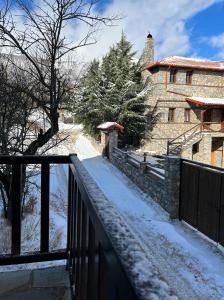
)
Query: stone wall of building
[
  {"x": 147, "y": 56},
  {"x": 204, "y": 83},
  {"x": 167, "y": 95},
  {"x": 204, "y": 153}
]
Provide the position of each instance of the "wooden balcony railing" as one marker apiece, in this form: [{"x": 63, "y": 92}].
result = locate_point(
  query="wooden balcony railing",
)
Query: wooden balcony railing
[
  {"x": 212, "y": 126},
  {"x": 95, "y": 268}
]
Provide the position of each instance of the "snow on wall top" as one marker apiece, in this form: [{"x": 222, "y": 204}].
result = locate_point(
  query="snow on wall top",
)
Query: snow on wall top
[
  {"x": 185, "y": 62},
  {"x": 205, "y": 101},
  {"x": 110, "y": 125},
  {"x": 145, "y": 278}
]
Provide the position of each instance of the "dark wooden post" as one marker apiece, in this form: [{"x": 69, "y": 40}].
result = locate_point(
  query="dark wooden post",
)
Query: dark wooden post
[
  {"x": 16, "y": 193},
  {"x": 70, "y": 217},
  {"x": 93, "y": 266},
  {"x": 44, "y": 226},
  {"x": 202, "y": 117}
]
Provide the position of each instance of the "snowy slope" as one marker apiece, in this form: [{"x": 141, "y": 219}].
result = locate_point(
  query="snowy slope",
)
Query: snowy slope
[{"x": 193, "y": 267}]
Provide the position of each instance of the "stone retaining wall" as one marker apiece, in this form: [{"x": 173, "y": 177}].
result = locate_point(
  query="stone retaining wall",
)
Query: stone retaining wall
[{"x": 162, "y": 186}]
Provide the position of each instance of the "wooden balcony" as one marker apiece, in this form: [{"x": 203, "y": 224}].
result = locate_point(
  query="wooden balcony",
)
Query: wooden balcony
[
  {"x": 212, "y": 127},
  {"x": 93, "y": 266}
]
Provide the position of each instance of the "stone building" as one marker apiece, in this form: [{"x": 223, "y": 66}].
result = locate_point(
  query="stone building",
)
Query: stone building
[{"x": 188, "y": 94}]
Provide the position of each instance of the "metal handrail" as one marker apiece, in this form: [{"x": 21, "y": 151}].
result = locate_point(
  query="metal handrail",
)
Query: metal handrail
[
  {"x": 183, "y": 134},
  {"x": 172, "y": 142}
]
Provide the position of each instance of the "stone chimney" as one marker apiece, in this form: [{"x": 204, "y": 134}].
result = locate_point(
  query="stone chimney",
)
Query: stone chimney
[{"x": 147, "y": 55}]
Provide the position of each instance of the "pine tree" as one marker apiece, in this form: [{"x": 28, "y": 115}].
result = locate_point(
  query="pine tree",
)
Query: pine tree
[
  {"x": 88, "y": 105},
  {"x": 133, "y": 114},
  {"x": 118, "y": 71},
  {"x": 112, "y": 91}
]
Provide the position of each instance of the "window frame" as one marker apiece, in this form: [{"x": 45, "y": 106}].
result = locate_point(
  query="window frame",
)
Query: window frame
[
  {"x": 171, "y": 114},
  {"x": 187, "y": 115},
  {"x": 173, "y": 75},
  {"x": 189, "y": 75}
]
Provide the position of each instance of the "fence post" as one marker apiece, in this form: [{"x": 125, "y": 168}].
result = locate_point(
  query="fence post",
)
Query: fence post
[
  {"x": 142, "y": 167},
  {"x": 16, "y": 195},
  {"x": 172, "y": 177},
  {"x": 113, "y": 141},
  {"x": 125, "y": 157},
  {"x": 44, "y": 220}
]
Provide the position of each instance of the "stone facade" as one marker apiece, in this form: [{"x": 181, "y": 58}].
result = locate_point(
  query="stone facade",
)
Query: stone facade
[
  {"x": 168, "y": 95},
  {"x": 109, "y": 140},
  {"x": 147, "y": 55}
]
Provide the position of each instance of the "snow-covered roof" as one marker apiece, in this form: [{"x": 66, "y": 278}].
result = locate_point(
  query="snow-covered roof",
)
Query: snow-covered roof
[
  {"x": 185, "y": 62},
  {"x": 110, "y": 125},
  {"x": 205, "y": 101}
]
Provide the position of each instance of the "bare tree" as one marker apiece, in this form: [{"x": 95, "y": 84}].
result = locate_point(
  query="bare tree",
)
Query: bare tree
[
  {"x": 16, "y": 128},
  {"x": 38, "y": 48},
  {"x": 43, "y": 45}
]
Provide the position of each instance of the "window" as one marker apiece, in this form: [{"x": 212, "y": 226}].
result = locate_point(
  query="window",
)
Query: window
[
  {"x": 189, "y": 77},
  {"x": 195, "y": 148},
  {"x": 173, "y": 75},
  {"x": 187, "y": 113},
  {"x": 171, "y": 115}
]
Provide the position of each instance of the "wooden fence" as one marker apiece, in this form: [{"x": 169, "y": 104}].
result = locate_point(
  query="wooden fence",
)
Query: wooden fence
[{"x": 202, "y": 198}]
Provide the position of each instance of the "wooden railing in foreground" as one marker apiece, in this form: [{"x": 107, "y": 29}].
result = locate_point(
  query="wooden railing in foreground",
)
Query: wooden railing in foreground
[
  {"x": 16, "y": 215},
  {"x": 95, "y": 269}
]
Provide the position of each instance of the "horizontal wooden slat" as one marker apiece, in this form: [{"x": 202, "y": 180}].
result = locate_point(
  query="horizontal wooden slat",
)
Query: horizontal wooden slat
[
  {"x": 201, "y": 165},
  {"x": 33, "y": 257},
  {"x": 35, "y": 159}
]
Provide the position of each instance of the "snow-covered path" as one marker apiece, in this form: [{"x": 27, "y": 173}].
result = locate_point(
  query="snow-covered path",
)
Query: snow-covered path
[{"x": 193, "y": 267}]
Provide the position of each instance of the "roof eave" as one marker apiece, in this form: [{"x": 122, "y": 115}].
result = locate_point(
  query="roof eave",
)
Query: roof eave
[
  {"x": 152, "y": 66},
  {"x": 202, "y": 103}
]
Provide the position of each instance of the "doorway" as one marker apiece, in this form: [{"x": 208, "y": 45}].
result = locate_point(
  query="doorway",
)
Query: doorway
[
  {"x": 217, "y": 152},
  {"x": 207, "y": 119},
  {"x": 222, "y": 120}
]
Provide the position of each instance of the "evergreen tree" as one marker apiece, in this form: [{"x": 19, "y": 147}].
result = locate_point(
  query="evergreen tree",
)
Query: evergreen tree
[
  {"x": 88, "y": 105},
  {"x": 133, "y": 113},
  {"x": 119, "y": 72},
  {"x": 113, "y": 91}
]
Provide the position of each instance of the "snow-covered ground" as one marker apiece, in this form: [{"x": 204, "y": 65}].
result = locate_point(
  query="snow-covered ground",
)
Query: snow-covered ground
[{"x": 192, "y": 266}]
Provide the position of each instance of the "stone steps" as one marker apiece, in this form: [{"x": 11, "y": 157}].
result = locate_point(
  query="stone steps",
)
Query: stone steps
[
  {"x": 176, "y": 148},
  {"x": 40, "y": 284}
]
